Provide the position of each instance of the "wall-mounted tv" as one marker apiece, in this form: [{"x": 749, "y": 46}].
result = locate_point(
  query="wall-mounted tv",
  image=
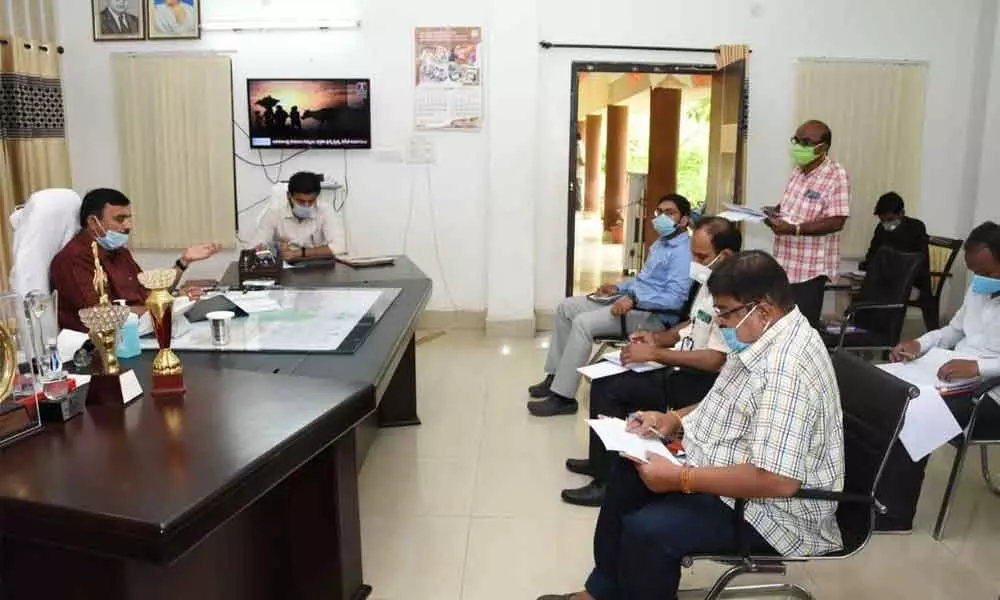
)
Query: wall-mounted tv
[{"x": 310, "y": 113}]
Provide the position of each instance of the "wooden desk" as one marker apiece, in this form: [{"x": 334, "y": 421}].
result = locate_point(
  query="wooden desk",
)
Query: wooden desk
[{"x": 245, "y": 489}]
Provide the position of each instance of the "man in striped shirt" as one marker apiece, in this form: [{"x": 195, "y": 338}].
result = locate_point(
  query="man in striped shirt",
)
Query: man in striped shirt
[{"x": 812, "y": 213}]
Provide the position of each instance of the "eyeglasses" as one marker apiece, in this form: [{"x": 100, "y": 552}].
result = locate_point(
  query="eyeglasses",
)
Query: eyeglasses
[
  {"x": 669, "y": 212},
  {"x": 805, "y": 141},
  {"x": 721, "y": 314}
]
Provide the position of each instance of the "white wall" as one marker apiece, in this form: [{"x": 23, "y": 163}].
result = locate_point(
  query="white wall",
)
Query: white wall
[
  {"x": 499, "y": 196},
  {"x": 988, "y": 192},
  {"x": 779, "y": 31}
]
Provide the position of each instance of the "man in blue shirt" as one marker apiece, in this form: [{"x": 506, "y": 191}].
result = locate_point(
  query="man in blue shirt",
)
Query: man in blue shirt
[{"x": 662, "y": 285}]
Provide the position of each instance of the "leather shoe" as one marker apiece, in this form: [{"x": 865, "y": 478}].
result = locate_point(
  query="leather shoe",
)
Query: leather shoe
[
  {"x": 542, "y": 388},
  {"x": 579, "y": 466},
  {"x": 591, "y": 494},
  {"x": 552, "y": 406},
  {"x": 556, "y": 597}
]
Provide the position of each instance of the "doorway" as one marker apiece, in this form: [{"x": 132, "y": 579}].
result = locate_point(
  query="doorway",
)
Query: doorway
[{"x": 638, "y": 132}]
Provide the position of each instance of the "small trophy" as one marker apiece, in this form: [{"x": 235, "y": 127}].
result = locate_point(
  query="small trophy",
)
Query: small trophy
[
  {"x": 168, "y": 374},
  {"x": 110, "y": 385}
]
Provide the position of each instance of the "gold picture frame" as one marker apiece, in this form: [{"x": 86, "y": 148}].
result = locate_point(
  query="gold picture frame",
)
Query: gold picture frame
[{"x": 173, "y": 19}]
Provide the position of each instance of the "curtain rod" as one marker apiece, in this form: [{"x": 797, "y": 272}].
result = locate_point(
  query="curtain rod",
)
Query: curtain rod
[{"x": 550, "y": 45}]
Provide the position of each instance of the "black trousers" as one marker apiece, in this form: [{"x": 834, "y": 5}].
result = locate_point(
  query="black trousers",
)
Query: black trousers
[
  {"x": 809, "y": 298},
  {"x": 641, "y": 537},
  {"x": 621, "y": 395},
  {"x": 899, "y": 489}
]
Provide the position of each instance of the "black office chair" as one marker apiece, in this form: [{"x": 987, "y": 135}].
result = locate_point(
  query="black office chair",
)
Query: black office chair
[
  {"x": 607, "y": 342},
  {"x": 978, "y": 432},
  {"x": 943, "y": 252},
  {"x": 874, "y": 404},
  {"x": 874, "y": 320}
]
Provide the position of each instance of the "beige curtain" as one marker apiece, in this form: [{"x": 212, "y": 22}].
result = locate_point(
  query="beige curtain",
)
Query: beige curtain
[
  {"x": 33, "y": 150},
  {"x": 729, "y": 53},
  {"x": 876, "y": 113},
  {"x": 176, "y": 147}
]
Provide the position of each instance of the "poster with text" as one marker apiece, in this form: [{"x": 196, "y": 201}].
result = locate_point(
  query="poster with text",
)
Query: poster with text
[{"x": 449, "y": 86}]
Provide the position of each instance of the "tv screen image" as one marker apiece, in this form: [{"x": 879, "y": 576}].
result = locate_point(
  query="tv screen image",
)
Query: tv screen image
[{"x": 310, "y": 113}]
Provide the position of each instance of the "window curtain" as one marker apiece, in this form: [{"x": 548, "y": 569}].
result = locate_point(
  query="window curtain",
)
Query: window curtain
[
  {"x": 176, "y": 147},
  {"x": 33, "y": 150},
  {"x": 876, "y": 113}
]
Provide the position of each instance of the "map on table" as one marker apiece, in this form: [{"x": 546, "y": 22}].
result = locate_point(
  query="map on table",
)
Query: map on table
[{"x": 291, "y": 320}]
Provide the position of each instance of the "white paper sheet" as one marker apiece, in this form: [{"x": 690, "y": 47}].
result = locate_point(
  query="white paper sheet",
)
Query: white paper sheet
[
  {"x": 644, "y": 367},
  {"x": 68, "y": 342},
  {"x": 254, "y": 302},
  {"x": 601, "y": 369},
  {"x": 736, "y": 217},
  {"x": 923, "y": 371},
  {"x": 616, "y": 439},
  {"x": 928, "y": 424}
]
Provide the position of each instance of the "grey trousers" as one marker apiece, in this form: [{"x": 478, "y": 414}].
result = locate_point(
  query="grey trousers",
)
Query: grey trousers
[{"x": 578, "y": 321}]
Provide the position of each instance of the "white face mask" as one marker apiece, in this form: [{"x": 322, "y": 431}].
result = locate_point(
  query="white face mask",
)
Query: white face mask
[{"x": 700, "y": 272}]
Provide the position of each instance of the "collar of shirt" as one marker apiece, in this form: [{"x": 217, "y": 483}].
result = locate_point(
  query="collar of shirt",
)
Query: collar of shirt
[
  {"x": 673, "y": 242},
  {"x": 822, "y": 167},
  {"x": 759, "y": 349}
]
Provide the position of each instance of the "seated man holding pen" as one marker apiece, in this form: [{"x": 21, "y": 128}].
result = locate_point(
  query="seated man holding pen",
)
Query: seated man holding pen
[
  {"x": 772, "y": 423},
  {"x": 695, "y": 344},
  {"x": 973, "y": 332}
]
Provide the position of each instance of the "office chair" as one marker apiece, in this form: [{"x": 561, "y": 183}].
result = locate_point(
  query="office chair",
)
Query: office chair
[
  {"x": 943, "y": 252},
  {"x": 606, "y": 342},
  {"x": 874, "y": 319},
  {"x": 42, "y": 226},
  {"x": 874, "y": 404},
  {"x": 978, "y": 432}
]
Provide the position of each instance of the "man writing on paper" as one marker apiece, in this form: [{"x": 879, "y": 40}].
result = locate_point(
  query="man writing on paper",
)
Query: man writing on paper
[
  {"x": 808, "y": 221},
  {"x": 300, "y": 228},
  {"x": 771, "y": 424},
  {"x": 106, "y": 217},
  {"x": 663, "y": 284},
  {"x": 696, "y": 344},
  {"x": 973, "y": 332}
]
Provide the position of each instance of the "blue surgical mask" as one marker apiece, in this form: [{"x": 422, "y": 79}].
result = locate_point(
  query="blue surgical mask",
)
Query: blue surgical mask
[
  {"x": 664, "y": 225},
  {"x": 729, "y": 334},
  {"x": 303, "y": 212},
  {"x": 985, "y": 285},
  {"x": 112, "y": 240}
]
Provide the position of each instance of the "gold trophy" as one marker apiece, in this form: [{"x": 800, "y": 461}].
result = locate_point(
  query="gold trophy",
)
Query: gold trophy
[
  {"x": 109, "y": 385},
  {"x": 168, "y": 374}
]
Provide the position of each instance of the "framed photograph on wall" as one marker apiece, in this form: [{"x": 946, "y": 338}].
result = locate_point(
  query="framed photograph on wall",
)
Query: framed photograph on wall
[
  {"x": 173, "y": 19},
  {"x": 117, "y": 20}
]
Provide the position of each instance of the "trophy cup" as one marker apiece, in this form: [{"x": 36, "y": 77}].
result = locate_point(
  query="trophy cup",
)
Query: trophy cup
[
  {"x": 110, "y": 385},
  {"x": 168, "y": 374}
]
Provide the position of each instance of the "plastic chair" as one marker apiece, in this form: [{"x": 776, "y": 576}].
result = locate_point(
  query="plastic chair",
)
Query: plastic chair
[
  {"x": 874, "y": 319},
  {"x": 943, "y": 252},
  {"x": 976, "y": 433},
  {"x": 874, "y": 404}
]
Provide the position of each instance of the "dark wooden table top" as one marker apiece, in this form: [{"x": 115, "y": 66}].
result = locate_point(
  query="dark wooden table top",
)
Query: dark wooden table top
[
  {"x": 374, "y": 361},
  {"x": 341, "y": 275},
  {"x": 149, "y": 480}
]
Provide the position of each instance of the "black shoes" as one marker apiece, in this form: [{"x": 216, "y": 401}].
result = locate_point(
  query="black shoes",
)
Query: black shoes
[
  {"x": 579, "y": 466},
  {"x": 541, "y": 389},
  {"x": 552, "y": 406},
  {"x": 591, "y": 494}
]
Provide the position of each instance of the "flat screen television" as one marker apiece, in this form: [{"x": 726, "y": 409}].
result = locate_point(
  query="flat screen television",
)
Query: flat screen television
[{"x": 310, "y": 113}]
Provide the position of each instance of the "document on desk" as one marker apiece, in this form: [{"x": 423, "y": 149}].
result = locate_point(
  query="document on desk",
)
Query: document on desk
[
  {"x": 616, "y": 439},
  {"x": 254, "y": 302},
  {"x": 929, "y": 423}
]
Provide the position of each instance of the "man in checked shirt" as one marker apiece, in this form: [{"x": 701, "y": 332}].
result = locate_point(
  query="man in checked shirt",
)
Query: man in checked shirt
[
  {"x": 771, "y": 424},
  {"x": 808, "y": 221}
]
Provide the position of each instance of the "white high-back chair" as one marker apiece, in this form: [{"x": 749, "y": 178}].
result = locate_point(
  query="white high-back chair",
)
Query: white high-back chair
[
  {"x": 46, "y": 223},
  {"x": 279, "y": 198}
]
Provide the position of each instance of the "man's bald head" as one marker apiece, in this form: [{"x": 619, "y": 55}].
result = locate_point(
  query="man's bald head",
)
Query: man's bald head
[{"x": 816, "y": 132}]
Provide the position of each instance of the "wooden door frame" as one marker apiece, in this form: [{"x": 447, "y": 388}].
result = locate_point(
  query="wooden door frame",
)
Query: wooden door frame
[{"x": 576, "y": 68}]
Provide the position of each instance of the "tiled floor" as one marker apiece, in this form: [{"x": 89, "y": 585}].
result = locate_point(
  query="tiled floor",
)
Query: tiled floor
[{"x": 466, "y": 506}]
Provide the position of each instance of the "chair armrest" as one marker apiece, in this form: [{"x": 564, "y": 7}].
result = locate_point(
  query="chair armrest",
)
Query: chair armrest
[
  {"x": 873, "y": 306},
  {"x": 671, "y": 312},
  {"x": 814, "y": 494},
  {"x": 941, "y": 274},
  {"x": 985, "y": 387}
]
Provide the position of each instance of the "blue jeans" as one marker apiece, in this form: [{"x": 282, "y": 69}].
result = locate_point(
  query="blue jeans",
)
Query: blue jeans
[{"x": 642, "y": 536}]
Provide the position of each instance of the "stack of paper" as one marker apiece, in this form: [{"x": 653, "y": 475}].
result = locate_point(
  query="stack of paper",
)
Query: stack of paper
[
  {"x": 611, "y": 364},
  {"x": 737, "y": 213},
  {"x": 616, "y": 439}
]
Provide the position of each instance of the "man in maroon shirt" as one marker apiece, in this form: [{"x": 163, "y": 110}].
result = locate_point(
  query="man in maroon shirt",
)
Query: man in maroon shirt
[{"x": 105, "y": 217}]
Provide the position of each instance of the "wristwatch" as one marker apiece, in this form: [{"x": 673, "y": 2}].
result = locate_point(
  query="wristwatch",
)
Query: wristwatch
[{"x": 180, "y": 265}]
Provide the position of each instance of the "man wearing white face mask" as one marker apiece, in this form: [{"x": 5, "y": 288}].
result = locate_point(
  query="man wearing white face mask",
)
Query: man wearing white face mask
[
  {"x": 771, "y": 424},
  {"x": 302, "y": 228},
  {"x": 695, "y": 344}
]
